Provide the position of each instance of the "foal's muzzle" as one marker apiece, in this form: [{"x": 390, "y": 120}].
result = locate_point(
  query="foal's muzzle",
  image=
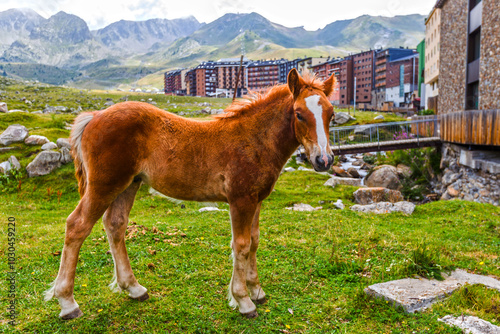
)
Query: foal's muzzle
[{"x": 322, "y": 163}]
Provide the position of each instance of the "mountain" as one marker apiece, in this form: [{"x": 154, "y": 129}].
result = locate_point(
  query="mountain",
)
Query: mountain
[
  {"x": 128, "y": 50},
  {"x": 135, "y": 37}
]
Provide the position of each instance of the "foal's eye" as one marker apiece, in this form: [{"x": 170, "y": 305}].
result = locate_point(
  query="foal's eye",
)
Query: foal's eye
[{"x": 299, "y": 117}]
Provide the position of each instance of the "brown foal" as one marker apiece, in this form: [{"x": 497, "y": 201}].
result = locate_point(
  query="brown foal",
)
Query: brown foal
[{"x": 235, "y": 158}]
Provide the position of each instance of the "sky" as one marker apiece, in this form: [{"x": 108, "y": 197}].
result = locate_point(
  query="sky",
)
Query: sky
[{"x": 312, "y": 15}]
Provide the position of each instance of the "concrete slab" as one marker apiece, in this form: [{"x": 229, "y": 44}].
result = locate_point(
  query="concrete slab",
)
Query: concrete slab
[
  {"x": 471, "y": 324},
  {"x": 418, "y": 294}
]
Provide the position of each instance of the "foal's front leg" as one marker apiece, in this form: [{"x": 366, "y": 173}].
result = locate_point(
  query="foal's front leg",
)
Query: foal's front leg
[
  {"x": 253, "y": 284},
  {"x": 242, "y": 214}
]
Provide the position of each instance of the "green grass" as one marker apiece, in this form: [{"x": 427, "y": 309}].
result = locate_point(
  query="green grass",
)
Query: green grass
[
  {"x": 367, "y": 117},
  {"x": 315, "y": 264}
]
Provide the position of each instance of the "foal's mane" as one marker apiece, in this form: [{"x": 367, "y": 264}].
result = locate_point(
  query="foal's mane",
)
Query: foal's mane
[{"x": 256, "y": 101}]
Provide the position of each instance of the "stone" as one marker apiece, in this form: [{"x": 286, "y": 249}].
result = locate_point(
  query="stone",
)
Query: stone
[
  {"x": 63, "y": 142},
  {"x": 358, "y": 163},
  {"x": 14, "y": 163},
  {"x": 3, "y": 107},
  {"x": 339, "y": 204},
  {"x": 450, "y": 177},
  {"x": 109, "y": 103},
  {"x": 209, "y": 208},
  {"x": 385, "y": 176},
  {"x": 44, "y": 163},
  {"x": 334, "y": 180},
  {"x": 452, "y": 191},
  {"x": 303, "y": 207},
  {"x": 13, "y": 134},
  {"x": 65, "y": 155},
  {"x": 17, "y": 110},
  {"x": 365, "y": 130},
  {"x": 340, "y": 172},
  {"x": 36, "y": 140},
  {"x": 403, "y": 170},
  {"x": 49, "y": 146},
  {"x": 365, "y": 196},
  {"x": 471, "y": 324},
  {"x": 385, "y": 207},
  {"x": 289, "y": 169},
  {"x": 5, "y": 149},
  {"x": 379, "y": 117},
  {"x": 418, "y": 294},
  {"x": 353, "y": 172},
  {"x": 343, "y": 158},
  {"x": 342, "y": 117},
  {"x": 5, "y": 167}
]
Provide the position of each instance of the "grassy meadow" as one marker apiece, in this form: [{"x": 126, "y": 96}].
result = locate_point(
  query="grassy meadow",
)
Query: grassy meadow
[{"x": 313, "y": 265}]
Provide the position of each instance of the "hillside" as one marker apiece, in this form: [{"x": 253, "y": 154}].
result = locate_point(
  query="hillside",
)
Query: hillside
[{"x": 139, "y": 48}]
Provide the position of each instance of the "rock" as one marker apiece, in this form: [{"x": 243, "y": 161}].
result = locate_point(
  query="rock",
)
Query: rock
[
  {"x": 303, "y": 207},
  {"x": 65, "y": 155},
  {"x": 49, "y": 146},
  {"x": 14, "y": 163},
  {"x": 343, "y": 158},
  {"x": 471, "y": 324},
  {"x": 340, "y": 172},
  {"x": 17, "y": 110},
  {"x": 6, "y": 149},
  {"x": 339, "y": 204},
  {"x": 379, "y": 117},
  {"x": 385, "y": 207},
  {"x": 109, "y": 103},
  {"x": 365, "y": 130},
  {"x": 209, "y": 208},
  {"x": 3, "y": 107},
  {"x": 385, "y": 176},
  {"x": 44, "y": 163},
  {"x": 358, "y": 163},
  {"x": 419, "y": 294},
  {"x": 36, "y": 140},
  {"x": 353, "y": 172},
  {"x": 289, "y": 169},
  {"x": 452, "y": 191},
  {"x": 365, "y": 196},
  {"x": 342, "y": 117},
  {"x": 5, "y": 167},
  {"x": 403, "y": 170},
  {"x": 334, "y": 180},
  {"x": 63, "y": 142},
  {"x": 13, "y": 134},
  {"x": 450, "y": 177}
]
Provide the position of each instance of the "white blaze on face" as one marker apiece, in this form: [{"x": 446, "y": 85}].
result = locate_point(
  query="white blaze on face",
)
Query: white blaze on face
[{"x": 312, "y": 103}]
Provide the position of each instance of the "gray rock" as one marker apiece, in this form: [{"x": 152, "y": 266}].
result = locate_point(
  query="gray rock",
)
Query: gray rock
[
  {"x": 353, "y": 172},
  {"x": 450, "y": 177},
  {"x": 384, "y": 176},
  {"x": 17, "y": 110},
  {"x": 471, "y": 324},
  {"x": 3, "y": 107},
  {"x": 303, "y": 207},
  {"x": 339, "y": 204},
  {"x": 379, "y": 117},
  {"x": 5, "y": 167},
  {"x": 63, "y": 142},
  {"x": 14, "y": 163},
  {"x": 65, "y": 155},
  {"x": 365, "y": 130},
  {"x": 36, "y": 140},
  {"x": 13, "y": 134},
  {"x": 44, "y": 163},
  {"x": 289, "y": 169},
  {"x": 385, "y": 207},
  {"x": 5, "y": 149},
  {"x": 49, "y": 146},
  {"x": 342, "y": 117},
  {"x": 371, "y": 195},
  {"x": 109, "y": 103},
  {"x": 334, "y": 180}
]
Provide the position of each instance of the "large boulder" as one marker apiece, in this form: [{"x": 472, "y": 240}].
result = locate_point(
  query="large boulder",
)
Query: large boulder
[
  {"x": 49, "y": 146},
  {"x": 334, "y": 180},
  {"x": 65, "y": 155},
  {"x": 385, "y": 176},
  {"x": 3, "y": 107},
  {"x": 353, "y": 172},
  {"x": 5, "y": 167},
  {"x": 63, "y": 142},
  {"x": 44, "y": 163},
  {"x": 385, "y": 207},
  {"x": 365, "y": 196},
  {"x": 14, "y": 163},
  {"x": 36, "y": 140},
  {"x": 14, "y": 133},
  {"x": 342, "y": 117}
]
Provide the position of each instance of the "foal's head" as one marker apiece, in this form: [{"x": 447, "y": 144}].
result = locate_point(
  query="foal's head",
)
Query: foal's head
[{"x": 313, "y": 113}]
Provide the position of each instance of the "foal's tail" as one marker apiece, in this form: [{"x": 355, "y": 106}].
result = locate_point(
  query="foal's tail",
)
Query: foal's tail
[{"x": 76, "y": 143}]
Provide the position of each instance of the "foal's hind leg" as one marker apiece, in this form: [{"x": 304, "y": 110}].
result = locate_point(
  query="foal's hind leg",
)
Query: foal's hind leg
[
  {"x": 115, "y": 221},
  {"x": 78, "y": 226},
  {"x": 253, "y": 284}
]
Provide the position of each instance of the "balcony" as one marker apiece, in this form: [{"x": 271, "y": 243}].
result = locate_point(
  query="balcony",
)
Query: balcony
[
  {"x": 380, "y": 84},
  {"x": 380, "y": 68},
  {"x": 380, "y": 77}
]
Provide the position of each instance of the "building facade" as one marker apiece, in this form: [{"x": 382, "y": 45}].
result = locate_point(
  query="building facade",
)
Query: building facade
[
  {"x": 402, "y": 80},
  {"x": 263, "y": 74},
  {"x": 363, "y": 70},
  {"x": 175, "y": 82},
  {"x": 346, "y": 81},
  {"x": 469, "y": 85},
  {"x": 324, "y": 70},
  {"x": 432, "y": 45}
]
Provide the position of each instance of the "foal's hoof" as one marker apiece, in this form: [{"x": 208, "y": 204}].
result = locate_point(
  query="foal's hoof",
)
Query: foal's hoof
[
  {"x": 142, "y": 298},
  {"x": 260, "y": 301},
  {"x": 250, "y": 315},
  {"x": 72, "y": 315}
]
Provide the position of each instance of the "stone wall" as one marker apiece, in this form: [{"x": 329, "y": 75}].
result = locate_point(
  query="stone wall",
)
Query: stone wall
[
  {"x": 453, "y": 56},
  {"x": 469, "y": 175},
  {"x": 489, "y": 76}
]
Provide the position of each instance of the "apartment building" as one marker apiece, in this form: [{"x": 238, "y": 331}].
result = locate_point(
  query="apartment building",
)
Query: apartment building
[
  {"x": 324, "y": 70},
  {"x": 402, "y": 80},
  {"x": 302, "y": 65},
  {"x": 432, "y": 45},
  {"x": 363, "y": 70},
  {"x": 263, "y": 74},
  {"x": 346, "y": 81},
  {"x": 175, "y": 82},
  {"x": 227, "y": 73}
]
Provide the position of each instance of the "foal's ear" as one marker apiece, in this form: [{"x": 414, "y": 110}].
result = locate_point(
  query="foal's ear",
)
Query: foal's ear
[
  {"x": 328, "y": 84},
  {"x": 295, "y": 82}
]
